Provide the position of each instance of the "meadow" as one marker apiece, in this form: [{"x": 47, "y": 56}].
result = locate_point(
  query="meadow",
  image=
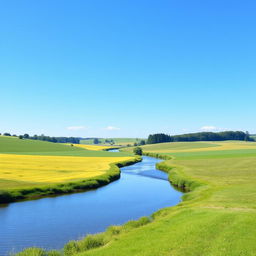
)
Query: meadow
[
  {"x": 31, "y": 168},
  {"x": 217, "y": 216},
  {"x": 13, "y": 145}
]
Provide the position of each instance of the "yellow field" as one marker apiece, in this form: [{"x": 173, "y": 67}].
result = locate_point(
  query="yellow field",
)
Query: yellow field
[
  {"x": 92, "y": 147},
  {"x": 216, "y": 146},
  {"x": 51, "y": 169}
]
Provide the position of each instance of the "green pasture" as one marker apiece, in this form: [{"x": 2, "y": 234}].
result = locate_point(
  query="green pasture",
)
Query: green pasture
[
  {"x": 14, "y": 145},
  {"x": 179, "y": 146}
]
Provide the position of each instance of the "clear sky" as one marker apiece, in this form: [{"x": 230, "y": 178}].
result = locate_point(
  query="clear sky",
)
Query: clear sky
[{"x": 127, "y": 68}]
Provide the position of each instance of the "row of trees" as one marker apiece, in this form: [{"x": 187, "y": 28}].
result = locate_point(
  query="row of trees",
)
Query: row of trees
[
  {"x": 200, "y": 136},
  {"x": 106, "y": 141},
  {"x": 42, "y": 137}
]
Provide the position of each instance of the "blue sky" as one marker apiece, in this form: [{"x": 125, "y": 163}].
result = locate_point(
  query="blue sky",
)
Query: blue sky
[{"x": 127, "y": 68}]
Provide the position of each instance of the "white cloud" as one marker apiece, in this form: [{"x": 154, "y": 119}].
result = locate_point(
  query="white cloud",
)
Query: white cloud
[
  {"x": 112, "y": 128},
  {"x": 209, "y": 128},
  {"x": 76, "y": 128}
]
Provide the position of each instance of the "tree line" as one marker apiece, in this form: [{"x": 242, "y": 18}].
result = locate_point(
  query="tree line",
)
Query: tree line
[
  {"x": 42, "y": 137},
  {"x": 199, "y": 136}
]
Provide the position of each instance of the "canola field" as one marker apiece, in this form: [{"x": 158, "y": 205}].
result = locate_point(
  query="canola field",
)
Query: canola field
[
  {"x": 29, "y": 163},
  {"x": 92, "y": 147},
  {"x": 27, "y": 170}
]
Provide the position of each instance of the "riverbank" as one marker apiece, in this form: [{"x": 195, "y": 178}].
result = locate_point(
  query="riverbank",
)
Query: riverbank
[
  {"x": 217, "y": 214},
  {"x": 57, "y": 220},
  {"x": 67, "y": 187}
]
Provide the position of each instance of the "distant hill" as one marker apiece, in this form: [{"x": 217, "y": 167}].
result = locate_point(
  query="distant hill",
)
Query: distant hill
[{"x": 117, "y": 141}]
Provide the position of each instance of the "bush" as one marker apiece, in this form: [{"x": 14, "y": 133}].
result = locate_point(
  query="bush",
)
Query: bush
[
  {"x": 89, "y": 242},
  {"x": 137, "y": 151},
  {"x": 5, "y": 197}
]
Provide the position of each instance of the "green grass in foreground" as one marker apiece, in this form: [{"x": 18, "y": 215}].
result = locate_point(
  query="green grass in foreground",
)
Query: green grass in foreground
[
  {"x": 13, "y": 145},
  {"x": 217, "y": 217}
]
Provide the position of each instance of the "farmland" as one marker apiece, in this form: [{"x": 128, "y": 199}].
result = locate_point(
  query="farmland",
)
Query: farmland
[
  {"x": 13, "y": 145},
  {"x": 27, "y": 170},
  {"x": 93, "y": 147},
  {"x": 216, "y": 216},
  {"x": 28, "y": 164}
]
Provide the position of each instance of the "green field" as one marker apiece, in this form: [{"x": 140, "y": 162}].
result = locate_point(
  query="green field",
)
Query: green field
[
  {"x": 13, "y": 145},
  {"x": 217, "y": 216},
  {"x": 118, "y": 141}
]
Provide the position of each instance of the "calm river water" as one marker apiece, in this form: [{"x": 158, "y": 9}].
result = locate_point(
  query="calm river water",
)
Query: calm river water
[{"x": 51, "y": 222}]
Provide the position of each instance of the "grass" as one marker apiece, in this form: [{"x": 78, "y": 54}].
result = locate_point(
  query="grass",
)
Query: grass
[
  {"x": 180, "y": 147},
  {"x": 13, "y": 145},
  {"x": 217, "y": 216}
]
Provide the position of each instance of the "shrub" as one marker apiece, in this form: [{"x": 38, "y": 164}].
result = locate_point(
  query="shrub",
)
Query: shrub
[
  {"x": 5, "y": 197},
  {"x": 137, "y": 151},
  {"x": 89, "y": 242}
]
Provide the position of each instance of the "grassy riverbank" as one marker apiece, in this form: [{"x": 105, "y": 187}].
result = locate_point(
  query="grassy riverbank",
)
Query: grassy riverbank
[
  {"x": 217, "y": 216},
  {"x": 31, "y": 169}
]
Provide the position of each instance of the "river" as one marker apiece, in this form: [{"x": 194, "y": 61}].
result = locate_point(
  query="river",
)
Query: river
[{"x": 51, "y": 222}]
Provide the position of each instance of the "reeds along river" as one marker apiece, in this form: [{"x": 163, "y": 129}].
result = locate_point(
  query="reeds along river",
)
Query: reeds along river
[{"x": 51, "y": 222}]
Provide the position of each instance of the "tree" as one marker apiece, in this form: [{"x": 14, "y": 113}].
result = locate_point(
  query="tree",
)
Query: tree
[
  {"x": 96, "y": 141},
  {"x": 26, "y": 136},
  {"x": 7, "y": 134},
  {"x": 247, "y": 136},
  {"x": 142, "y": 142},
  {"x": 138, "y": 151},
  {"x": 20, "y": 137},
  {"x": 199, "y": 136}
]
